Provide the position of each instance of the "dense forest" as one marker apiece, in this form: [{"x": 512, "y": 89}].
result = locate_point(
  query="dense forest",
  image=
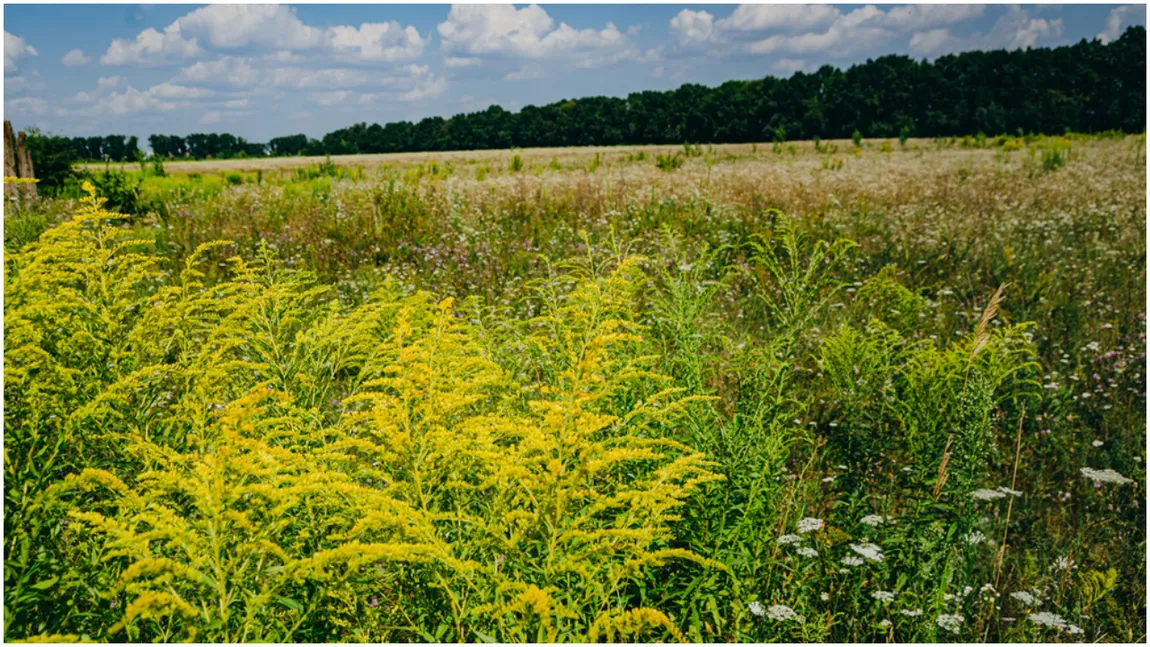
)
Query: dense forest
[{"x": 1086, "y": 87}]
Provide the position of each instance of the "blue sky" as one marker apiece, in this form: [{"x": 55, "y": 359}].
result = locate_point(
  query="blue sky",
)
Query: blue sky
[{"x": 260, "y": 71}]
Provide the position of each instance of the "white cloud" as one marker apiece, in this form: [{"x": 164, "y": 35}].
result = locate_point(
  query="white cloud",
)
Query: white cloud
[
  {"x": 929, "y": 42},
  {"x": 1028, "y": 34},
  {"x": 172, "y": 91},
  {"x": 789, "y": 65},
  {"x": 75, "y": 58},
  {"x": 523, "y": 33},
  {"x": 767, "y": 17},
  {"x": 211, "y": 117},
  {"x": 232, "y": 26},
  {"x": 1015, "y": 29},
  {"x": 225, "y": 71},
  {"x": 809, "y": 29},
  {"x": 30, "y": 105},
  {"x": 1114, "y": 23},
  {"x": 152, "y": 48},
  {"x": 422, "y": 83},
  {"x": 379, "y": 41},
  {"x": 528, "y": 72},
  {"x": 15, "y": 48},
  {"x": 693, "y": 27},
  {"x": 236, "y": 104},
  {"x": 127, "y": 102},
  {"x": 456, "y": 61}
]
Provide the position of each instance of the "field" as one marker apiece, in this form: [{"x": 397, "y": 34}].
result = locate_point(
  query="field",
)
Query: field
[{"x": 809, "y": 391}]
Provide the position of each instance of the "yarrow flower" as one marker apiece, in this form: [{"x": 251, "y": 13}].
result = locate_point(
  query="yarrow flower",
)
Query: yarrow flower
[
  {"x": 807, "y": 551},
  {"x": 1047, "y": 619},
  {"x": 987, "y": 495},
  {"x": 756, "y": 608},
  {"x": 789, "y": 539},
  {"x": 873, "y": 520},
  {"x": 868, "y": 551},
  {"x": 975, "y": 537},
  {"x": 911, "y": 613},
  {"x": 810, "y": 524},
  {"x": 950, "y": 622},
  {"x": 780, "y": 612},
  {"x": 1023, "y": 597},
  {"x": 851, "y": 560},
  {"x": 1006, "y": 490},
  {"x": 883, "y": 596},
  {"x": 885, "y": 623},
  {"x": 1105, "y": 476}
]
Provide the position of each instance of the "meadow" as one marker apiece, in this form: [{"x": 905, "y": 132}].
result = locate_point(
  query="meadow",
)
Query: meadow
[{"x": 828, "y": 391}]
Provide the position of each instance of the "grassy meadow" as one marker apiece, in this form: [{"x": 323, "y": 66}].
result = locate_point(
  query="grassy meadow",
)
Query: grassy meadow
[{"x": 812, "y": 392}]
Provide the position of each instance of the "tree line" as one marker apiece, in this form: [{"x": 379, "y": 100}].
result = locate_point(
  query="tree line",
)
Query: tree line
[{"x": 1085, "y": 87}]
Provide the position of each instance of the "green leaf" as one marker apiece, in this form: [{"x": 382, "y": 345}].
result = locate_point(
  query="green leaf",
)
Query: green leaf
[{"x": 46, "y": 583}]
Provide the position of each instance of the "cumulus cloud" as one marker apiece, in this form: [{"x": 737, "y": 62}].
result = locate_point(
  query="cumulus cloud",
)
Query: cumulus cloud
[
  {"x": 232, "y": 26},
  {"x": 929, "y": 42},
  {"x": 811, "y": 29},
  {"x": 15, "y": 49},
  {"x": 1119, "y": 17},
  {"x": 767, "y": 17},
  {"x": 172, "y": 91},
  {"x": 129, "y": 101},
  {"x": 693, "y": 27},
  {"x": 245, "y": 27},
  {"x": 524, "y": 33},
  {"x": 152, "y": 47},
  {"x": 380, "y": 41},
  {"x": 228, "y": 71},
  {"x": 75, "y": 58}
]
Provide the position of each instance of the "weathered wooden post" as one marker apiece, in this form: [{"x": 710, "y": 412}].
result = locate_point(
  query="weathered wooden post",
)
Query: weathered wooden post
[
  {"x": 9, "y": 159},
  {"x": 24, "y": 166}
]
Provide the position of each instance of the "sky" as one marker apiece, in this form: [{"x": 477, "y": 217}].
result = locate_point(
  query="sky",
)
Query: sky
[{"x": 261, "y": 71}]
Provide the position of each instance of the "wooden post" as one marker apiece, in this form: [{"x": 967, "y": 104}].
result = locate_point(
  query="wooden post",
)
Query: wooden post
[
  {"x": 24, "y": 166},
  {"x": 9, "y": 159}
]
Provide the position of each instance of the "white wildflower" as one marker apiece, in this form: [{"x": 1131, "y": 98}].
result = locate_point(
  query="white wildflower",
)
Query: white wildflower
[
  {"x": 872, "y": 520},
  {"x": 789, "y": 539},
  {"x": 883, "y": 596},
  {"x": 950, "y": 622},
  {"x": 807, "y": 551},
  {"x": 1023, "y": 597},
  {"x": 810, "y": 524},
  {"x": 756, "y": 608},
  {"x": 1047, "y": 619},
  {"x": 885, "y": 623},
  {"x": 824, "y": 596},
  {"x": 851, "y": 560},
  {"x": 975, "y": 537},
  {"x": 911, "y": 613},
  {"x": 1006, "y": 490},
  {"x": 868, "y": 550},
  {"x": 1105, "y": 476},
  {"x": 987, "y": 495},
  {"x": 781, "y": 613},
  {"x": 1062, "y": 564},
  {"x": 1097, "y": 443},
  {"x": 1074, "y": 629}
]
